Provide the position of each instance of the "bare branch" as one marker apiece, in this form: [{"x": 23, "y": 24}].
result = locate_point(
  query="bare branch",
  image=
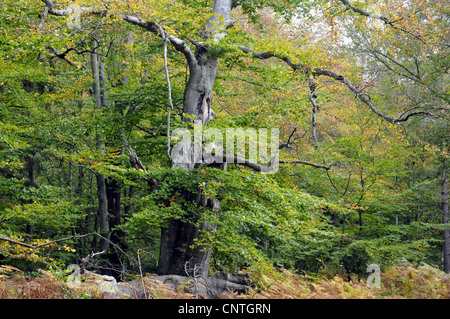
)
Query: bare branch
[
  {"x": 379, "y": 17},
  {"x": 64, "y": 239},
  {"x": 306, "y": 163},
  {"x": 366, "y": 98},
  {"x": 85, "y": 261},
  {"x": 288, "y": 143},
  {"x": 134, "y": 159},
  {"x": 169, "y": 88},
  {"x": 179, "y": 44}
]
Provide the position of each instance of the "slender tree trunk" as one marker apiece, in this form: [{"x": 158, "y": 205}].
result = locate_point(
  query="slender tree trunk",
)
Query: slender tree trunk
[
  {"x": 446, "y": 247},
  {"x": 31, "y": 169},
  {"x": 102, "y": 213},
  {"x": 178, "y": 242}
]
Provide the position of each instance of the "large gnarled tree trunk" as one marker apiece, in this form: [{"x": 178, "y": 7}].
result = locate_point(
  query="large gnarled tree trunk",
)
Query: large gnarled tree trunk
[{"x": 178, "y": 241}]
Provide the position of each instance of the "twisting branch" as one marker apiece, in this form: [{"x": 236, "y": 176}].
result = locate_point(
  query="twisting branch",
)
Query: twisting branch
[
  {"x": 379, "y": 17},
  {"x": 324, "y": 72},
  {"x": 288, "y": 143},
  {"x": 45, "y": 244}
]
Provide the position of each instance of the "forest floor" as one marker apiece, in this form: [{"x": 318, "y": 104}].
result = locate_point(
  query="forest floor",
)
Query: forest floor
[{"x": 403, "y": 281}]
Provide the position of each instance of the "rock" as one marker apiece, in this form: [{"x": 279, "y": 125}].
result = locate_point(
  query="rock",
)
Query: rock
[
  {"x": 224, "y": 282},
  {"x": 107, "y": 285}
]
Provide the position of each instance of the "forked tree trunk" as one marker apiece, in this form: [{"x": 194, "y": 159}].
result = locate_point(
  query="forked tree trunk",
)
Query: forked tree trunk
[
  {"x": 178, "y": 248},
  {"x": 178, "y": 238}
]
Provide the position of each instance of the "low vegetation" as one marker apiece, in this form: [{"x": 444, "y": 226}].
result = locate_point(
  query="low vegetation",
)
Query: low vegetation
[{"x": 398, "y": 282}]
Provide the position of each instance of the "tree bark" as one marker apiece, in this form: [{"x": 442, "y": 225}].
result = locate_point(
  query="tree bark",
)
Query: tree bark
[
  {"x": 198, "y": 92},
  {"x": 31, "y": 169},
  {"x": 178, "y": 242}
]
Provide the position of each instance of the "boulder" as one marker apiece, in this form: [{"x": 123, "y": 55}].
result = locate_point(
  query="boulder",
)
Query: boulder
[{"x": 212, "y": 286}]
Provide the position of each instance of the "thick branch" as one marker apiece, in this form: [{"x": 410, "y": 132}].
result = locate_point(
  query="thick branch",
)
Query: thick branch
[
  {"x": 313, "y": 120},
  {"x": 65, "y": 12},
  {"x": 248, "y": 163},
  {"x": 45, "y": 244},
  {"x": 137, "y": 164},
  {"x": 42, "y": 18},
  {"x": 134, "y": 159},
  {"x": 4, "y": 219},
  {"x": 270, "y": 54},
  {"x": 265, "y": 168}
]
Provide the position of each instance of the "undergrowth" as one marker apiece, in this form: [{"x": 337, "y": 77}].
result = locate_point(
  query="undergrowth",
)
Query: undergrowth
[{"x": 402, "y": 281}]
